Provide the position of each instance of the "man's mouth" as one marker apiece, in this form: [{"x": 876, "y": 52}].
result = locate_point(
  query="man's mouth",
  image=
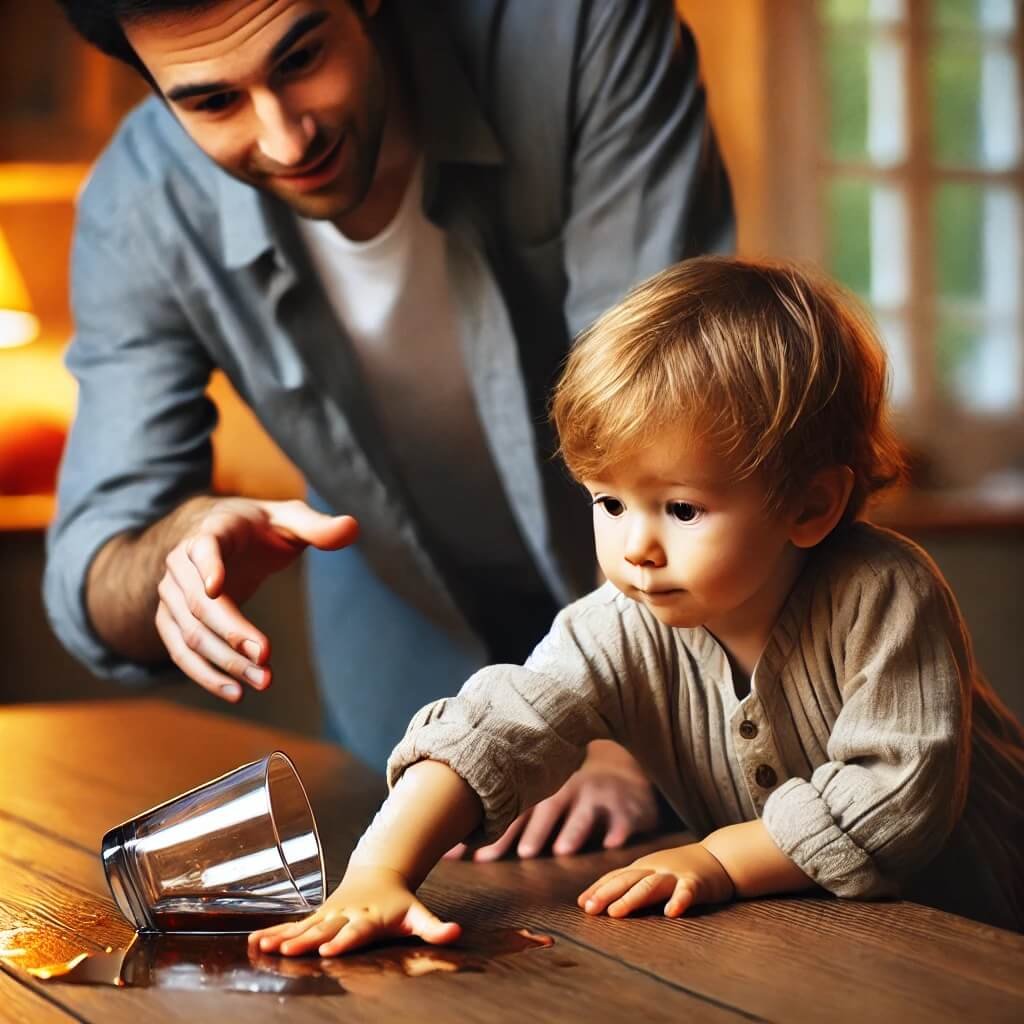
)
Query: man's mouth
[{"x": 314, "y": 174}]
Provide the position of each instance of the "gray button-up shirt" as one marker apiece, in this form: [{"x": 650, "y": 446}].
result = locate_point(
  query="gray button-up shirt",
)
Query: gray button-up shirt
[{"x": 567, "y": 156}]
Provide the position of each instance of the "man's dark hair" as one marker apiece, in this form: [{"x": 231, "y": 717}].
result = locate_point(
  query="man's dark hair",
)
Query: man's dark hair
[{"x": 100, "y": 22}]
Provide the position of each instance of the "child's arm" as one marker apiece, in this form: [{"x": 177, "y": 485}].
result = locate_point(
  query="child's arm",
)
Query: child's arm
[
  {"x": 738, "y": 860},
  {"x": 428, "y": 811}
]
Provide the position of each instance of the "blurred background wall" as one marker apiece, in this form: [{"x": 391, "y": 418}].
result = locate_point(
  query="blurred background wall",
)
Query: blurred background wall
[{"x": 879, "y": 139}]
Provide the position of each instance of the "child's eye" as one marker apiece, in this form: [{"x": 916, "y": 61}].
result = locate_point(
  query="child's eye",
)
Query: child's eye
[
  {"x": 612, "y": 506},
  {"x": 684, "y": 512}
]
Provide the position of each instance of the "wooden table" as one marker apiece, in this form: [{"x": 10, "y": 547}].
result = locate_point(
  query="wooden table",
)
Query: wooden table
[{"x": 68, "y": 772}]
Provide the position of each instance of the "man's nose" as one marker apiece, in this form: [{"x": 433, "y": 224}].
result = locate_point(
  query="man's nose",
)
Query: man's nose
[
  {"x": 643, "y": 546},
  {"x": 284, "y": 135}
]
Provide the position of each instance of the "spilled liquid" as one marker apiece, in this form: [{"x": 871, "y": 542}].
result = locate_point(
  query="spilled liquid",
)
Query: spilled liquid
[{"x": 224, "y": 963}]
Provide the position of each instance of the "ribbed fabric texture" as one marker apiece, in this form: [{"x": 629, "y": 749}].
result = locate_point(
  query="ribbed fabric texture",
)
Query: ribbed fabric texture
[{"x": 877, "y": 757}]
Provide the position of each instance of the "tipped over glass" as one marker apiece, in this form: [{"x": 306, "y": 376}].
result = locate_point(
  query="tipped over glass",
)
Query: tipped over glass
[{"x": 238, "y": 853}]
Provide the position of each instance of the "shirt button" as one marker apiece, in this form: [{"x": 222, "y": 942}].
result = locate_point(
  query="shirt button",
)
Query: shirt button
[
  {"x": 765, "y": 776},
  {"x": 748, "y": 730}
]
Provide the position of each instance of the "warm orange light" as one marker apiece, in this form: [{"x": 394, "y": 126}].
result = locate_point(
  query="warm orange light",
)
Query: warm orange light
[{"x": 18, "y": 325}]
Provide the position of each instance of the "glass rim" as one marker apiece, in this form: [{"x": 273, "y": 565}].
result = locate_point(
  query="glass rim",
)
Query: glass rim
[{"x": 312, "y": 821}]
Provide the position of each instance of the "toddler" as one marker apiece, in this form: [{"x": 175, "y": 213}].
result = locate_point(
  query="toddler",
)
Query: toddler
[{"x": 798, "y": 683}]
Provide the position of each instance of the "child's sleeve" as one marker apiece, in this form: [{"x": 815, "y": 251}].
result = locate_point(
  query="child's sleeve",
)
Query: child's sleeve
[
  {"x": 894, "y": 784},
  {"x": 516, "y": 733}
]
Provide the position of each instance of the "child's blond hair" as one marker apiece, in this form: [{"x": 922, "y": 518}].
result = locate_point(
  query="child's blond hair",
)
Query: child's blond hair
[{"x": 777, "y": 368}]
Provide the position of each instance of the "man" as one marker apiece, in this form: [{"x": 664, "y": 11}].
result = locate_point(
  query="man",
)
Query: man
[{"x": 384, "y": 221}]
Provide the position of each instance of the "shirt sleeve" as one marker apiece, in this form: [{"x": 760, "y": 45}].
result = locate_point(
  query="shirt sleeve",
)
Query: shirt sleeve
[
  {"x": 894, "y": 784},
  {"x": 647, "y": 183},
  {"x": 140, "y": 442},
  {"x": 516, "y": 733}
]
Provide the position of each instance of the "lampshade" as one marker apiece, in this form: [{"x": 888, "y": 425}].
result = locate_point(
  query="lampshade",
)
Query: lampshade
[{"x": 18, "y": 325}]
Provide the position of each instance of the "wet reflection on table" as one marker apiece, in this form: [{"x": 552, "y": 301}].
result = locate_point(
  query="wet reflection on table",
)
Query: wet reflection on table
[{"x": 224, "y": 963}]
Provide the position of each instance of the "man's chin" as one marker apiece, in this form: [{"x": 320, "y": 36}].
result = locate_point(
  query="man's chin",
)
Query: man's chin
[{"x": 325, "y": 206}]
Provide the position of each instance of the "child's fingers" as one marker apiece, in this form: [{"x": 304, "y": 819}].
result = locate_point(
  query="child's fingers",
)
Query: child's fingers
[
  {"x": 269, "y": 939},
  {"x": 682, "y": 898},
  {"x": 655, "y": 888},
  {"x": 610, "y": 888},
  {"x": 356, "y": 932},
  {"x": 428, "y": 926},
  {"x": 314, "y": 935}
]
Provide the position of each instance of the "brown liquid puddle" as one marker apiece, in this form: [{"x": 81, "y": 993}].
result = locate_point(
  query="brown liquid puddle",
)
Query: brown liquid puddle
[{"x": 224, "y": 963}]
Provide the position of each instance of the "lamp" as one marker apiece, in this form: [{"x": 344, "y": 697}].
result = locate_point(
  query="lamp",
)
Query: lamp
[{"x": 18, "y": 325}]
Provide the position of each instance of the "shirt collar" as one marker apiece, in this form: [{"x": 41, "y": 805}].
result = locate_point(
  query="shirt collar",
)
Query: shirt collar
[{"x": 452, "y": 122}]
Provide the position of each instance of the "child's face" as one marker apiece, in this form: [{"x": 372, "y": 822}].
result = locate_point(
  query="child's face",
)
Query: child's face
[{"x": 676, "y": 532}]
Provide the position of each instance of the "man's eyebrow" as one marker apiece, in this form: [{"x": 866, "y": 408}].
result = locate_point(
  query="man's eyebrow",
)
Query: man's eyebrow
[{"x": 307, "y": 23}]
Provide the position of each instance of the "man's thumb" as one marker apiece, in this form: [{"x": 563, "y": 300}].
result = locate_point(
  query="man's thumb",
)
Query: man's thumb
[{"x": 300, "y": 523}]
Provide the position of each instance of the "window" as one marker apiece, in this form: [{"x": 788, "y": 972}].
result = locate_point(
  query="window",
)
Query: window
[{"x": 921, "y": 183}]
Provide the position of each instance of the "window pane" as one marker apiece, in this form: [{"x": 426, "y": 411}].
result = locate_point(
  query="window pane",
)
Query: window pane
[
  {"x": 868, "y": 240},
  {"x": 894, "y": 334},
  {"x": 990, "y": 15},
  {"x": 958, "y": 225},
  {"x": 887, "y": 119},
  {"x": 847, "y": 57},
  {"x": 849, "y": 234},
  {"x": 978, "y": 247},
  {"x": 879, "y": 11},
  {"x": 978, "y": 267},
  {"x": 979, "y": 367},
  {"x": 867, "y": 96},
  {"x": 975, "y": 103}
]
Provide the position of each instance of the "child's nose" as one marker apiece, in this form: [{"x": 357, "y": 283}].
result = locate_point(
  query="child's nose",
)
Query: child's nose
[{"x": 643, "y": 548}]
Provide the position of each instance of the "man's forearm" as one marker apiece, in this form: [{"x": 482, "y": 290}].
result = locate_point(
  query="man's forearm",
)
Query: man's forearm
[
  {"x": 121, "y": 596},
  {"x": 755, "y": 864}
]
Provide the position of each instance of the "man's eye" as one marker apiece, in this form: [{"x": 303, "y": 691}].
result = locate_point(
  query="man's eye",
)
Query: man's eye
[
  {"x": 612, "y": 506},
  {"x": 298, "y": 60},
  {"x": 683, "y": 511},
  {"x": 217, "y": 102}
]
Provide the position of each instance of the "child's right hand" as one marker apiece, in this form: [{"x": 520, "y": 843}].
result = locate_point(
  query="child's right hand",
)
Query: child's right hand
[{"x": 370, "y": 904}]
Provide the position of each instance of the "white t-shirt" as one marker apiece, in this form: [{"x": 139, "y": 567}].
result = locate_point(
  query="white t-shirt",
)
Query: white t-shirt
[{"x": 392, "y": 294}]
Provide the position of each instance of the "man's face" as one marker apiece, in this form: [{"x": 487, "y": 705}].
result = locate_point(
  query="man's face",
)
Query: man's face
[{"x": 289, "y": 96}]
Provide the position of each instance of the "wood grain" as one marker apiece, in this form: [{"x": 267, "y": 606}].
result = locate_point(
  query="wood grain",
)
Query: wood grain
[{"x": 69, "y": 772}]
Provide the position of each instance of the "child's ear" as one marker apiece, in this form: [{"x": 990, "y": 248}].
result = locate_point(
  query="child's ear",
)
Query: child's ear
[{"x": 821, "y": 506}]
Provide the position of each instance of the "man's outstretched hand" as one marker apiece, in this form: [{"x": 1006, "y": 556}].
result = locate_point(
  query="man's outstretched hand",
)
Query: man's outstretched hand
[
  {"x": 609, "y": 795},
  {"x": 216, "y": 567}
]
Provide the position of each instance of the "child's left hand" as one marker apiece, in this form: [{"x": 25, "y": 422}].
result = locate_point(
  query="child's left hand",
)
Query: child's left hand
[{"x": 680, "y": 878}]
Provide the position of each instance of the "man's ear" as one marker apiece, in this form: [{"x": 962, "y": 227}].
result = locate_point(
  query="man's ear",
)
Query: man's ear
[{"x": 821, "y": 506}]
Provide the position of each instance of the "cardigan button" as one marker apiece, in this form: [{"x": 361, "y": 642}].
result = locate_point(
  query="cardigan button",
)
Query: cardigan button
[
  {"x": 765, "y": 776},
  {"x": 748, "y": 730}
]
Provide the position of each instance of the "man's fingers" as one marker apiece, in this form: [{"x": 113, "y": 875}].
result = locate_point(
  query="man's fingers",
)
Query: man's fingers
[
  {"x": 204, "y": 553},
  {"x": 302, "y": 524},
  {"x": 198, "y": 637},
  {"x": 578, "y": 825},
  {"x": 621, "y": 826},
  {"x": 221, "y": 615},
  {"x": 504, "y": 843},
  {"x": 190, "y": 663},
  {"x": 428, "y": 926},
  {"x": 539, "y": 825},
  {"x": 457, "y": 852}
]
